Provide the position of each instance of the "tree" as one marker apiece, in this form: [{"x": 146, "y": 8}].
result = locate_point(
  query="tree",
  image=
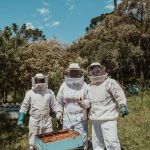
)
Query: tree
[
  {"x": 45, "y": 57},
  {"x": 11, "y": 39},
  {"x": 119, "y": 41}
]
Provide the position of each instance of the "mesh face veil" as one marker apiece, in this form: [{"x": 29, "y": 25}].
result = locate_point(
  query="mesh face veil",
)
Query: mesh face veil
[
  {"x": 74, "y": 77},
  {"x": 76, "y": 73},
  {"x": 75, "y": 70},
  {"x": 39, "y": 82},
  {"x": 97, "y": 73},
  {"x": 74, "y": 83},
  {"x": 95, "y": 69}
]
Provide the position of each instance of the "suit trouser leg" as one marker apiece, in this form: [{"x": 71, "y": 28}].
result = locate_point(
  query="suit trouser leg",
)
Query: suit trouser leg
[
  {"x": 109, "y": 131},
  {"x": 32, "y": 133},
  {"x": 97, "y": 136}
]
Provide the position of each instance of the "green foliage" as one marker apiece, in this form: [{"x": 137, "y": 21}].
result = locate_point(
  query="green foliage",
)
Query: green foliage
[
  {"x": 44, "y": 57},
  {"x": 11, "y": 40},
  {"x": 119, "y": 41}
]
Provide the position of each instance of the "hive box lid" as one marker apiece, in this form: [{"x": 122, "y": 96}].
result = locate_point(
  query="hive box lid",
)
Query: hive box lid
[{"x": 60, "y": 140}]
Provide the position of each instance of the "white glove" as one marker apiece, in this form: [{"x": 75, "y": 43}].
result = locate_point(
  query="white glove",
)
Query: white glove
[{"x": 59, "y": 116}]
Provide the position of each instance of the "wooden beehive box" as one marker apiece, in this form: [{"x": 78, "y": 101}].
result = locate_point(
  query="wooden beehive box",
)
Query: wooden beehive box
[
  {"x": 60, "y": 140},
  {"x": 10, "y": 112}
]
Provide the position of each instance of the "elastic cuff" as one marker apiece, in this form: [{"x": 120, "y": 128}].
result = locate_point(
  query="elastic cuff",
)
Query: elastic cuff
[{"x": 123, "y": 105}]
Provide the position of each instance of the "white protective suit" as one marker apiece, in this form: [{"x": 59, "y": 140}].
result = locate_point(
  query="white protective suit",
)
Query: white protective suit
[
  {"x": 74, "y": 116},
  {"x": 105, "y": 99},
  {"x": 39, "y": 104}
]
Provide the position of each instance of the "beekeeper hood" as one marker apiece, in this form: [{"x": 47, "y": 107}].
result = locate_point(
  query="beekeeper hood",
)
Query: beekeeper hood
[
  {"x": 39, "y": 82},
  {"x": 74, "y": 76},
  {"x": 97, "y": 73}
]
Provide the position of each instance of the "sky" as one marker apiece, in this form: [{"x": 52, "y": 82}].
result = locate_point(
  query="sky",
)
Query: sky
[{"x": 65, "y": 20}]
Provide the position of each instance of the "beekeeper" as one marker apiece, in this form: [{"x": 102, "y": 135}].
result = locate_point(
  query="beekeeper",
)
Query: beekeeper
[
  {"x": 39, "y": 101},
  {"x": 106, "y": 95},
  {"x": 73, "y": 100}
]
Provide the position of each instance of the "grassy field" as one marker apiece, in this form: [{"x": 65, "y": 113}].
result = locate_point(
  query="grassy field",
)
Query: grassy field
[{"x": 134, "y": 130}]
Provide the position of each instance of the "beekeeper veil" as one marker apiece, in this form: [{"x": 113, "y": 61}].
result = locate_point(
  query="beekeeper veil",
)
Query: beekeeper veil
[
  {"x": 74, "y": 76},
  {"x": 39, "y": 82},
  {"x": 97, "y": 73}
]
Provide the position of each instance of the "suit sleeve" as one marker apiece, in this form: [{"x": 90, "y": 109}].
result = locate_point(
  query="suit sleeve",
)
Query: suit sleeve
[
  {"x": 26, "y": 103},
  {"x": 59, "y": 99},
  {"x": 117, "y": 92}
]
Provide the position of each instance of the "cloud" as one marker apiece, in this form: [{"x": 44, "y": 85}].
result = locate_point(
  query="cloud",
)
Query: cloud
[
  {"x": 69, "y": 1},
  {"x": 70, "y": 4},
  {"x": 45, "y": 3},
  {"x": 43, "y": 11},
  {"x": 55, "y": 24},
  {"x": 29, "y": 25},
  {"x": 47, "y": 25},
  {"x": 46, "y": 19},
  {"x": 40, "y": 27},
  {"x": 109, "y": 1},
  {"x": 109, "y": 6},
  {"x": 34, "y": 15},
  {"x": 71, "y": 7}
]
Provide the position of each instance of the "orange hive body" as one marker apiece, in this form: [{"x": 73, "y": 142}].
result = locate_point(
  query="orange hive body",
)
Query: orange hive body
[{"x": 56, "y": 136}]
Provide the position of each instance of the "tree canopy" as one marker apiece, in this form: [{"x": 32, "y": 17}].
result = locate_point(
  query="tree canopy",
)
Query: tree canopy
[{"x": 120, "y": 40}]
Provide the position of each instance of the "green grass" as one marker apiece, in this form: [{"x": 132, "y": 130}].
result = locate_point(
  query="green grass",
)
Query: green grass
[
  {"x": 12, "y": 137},
  {"x": 133, "y": 130}
]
